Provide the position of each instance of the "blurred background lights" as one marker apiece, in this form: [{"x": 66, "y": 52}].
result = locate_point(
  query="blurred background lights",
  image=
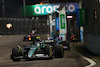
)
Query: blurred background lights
[{"x": 9, "y": 25}]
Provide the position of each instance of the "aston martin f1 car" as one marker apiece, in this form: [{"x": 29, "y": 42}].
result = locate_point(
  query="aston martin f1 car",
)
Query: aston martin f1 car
[{"x": 40, "y": 47}]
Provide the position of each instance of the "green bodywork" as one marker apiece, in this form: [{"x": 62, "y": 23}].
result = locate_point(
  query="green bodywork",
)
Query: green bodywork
[{"x": 35, "y": 48}]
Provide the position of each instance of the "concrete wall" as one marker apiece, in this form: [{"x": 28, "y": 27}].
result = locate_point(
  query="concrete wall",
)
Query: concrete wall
[
  {"x": 92, "y": 32},
  {"x": 92, "y": 43}
]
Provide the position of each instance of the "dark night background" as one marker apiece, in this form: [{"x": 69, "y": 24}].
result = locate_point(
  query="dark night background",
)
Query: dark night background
[{"x": 13, "y": 7}]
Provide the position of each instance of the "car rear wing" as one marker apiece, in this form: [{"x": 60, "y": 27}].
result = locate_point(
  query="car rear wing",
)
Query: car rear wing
[{"x": 51, "y": 42}]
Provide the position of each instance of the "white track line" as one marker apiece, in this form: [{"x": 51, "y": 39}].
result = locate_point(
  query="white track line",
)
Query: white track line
[{"x": 92, "y": 63}]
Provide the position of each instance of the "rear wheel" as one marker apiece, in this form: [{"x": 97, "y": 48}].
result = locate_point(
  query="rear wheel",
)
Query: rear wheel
[
  {"x": 24, "y": 38},
  {"x": 59, "y": 52},
  {"x": 66, "y": 44}
]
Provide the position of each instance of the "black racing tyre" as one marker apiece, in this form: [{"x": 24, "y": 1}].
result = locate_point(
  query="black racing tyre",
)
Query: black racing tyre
[
  {"x": 24, "y": 39},
  {"x": 49, "y": 51},
  {"x": 13, "y": 58},
  {"x": 66, "y": 43},
  {"x": 15, "y": 53},
  {"x": 59, "y": 52}
]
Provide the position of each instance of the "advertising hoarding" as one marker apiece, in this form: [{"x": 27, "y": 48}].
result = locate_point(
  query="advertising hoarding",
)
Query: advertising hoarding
[
  {"x": 62, "y": 23},
  {"x": 48, "y": 9},
  {"x": 57, "y": 23}
]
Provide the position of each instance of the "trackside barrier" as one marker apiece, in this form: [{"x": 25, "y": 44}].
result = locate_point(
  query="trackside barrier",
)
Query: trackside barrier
[{"x": 76, "y": 46}]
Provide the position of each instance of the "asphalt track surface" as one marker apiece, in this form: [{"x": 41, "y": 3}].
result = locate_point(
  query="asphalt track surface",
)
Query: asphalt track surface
[{"x": 7, "y": 42}]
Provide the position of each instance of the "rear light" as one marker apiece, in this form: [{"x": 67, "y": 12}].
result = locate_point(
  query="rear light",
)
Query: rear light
[
  {"x": 29, "y": 38},
  {"x": 60, "y": 38}
]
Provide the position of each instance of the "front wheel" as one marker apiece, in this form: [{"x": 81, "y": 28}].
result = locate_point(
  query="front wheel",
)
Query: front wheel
[
  {"x": 14, "y": 54},
  {"x": 49, "y": 51},
  {"x": 14, "y": 59}
]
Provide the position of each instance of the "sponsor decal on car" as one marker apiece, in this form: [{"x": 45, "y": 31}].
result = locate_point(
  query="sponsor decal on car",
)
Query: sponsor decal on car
[{"x": 49, "y": 40}]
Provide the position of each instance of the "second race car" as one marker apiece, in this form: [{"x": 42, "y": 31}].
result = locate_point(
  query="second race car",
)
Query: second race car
[{"x": 58, "y": 40}]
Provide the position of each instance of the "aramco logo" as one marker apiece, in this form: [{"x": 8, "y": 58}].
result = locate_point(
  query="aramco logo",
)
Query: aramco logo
[
  {"x": 45, "y": 9},
  {"x": 49, "y": 9}
]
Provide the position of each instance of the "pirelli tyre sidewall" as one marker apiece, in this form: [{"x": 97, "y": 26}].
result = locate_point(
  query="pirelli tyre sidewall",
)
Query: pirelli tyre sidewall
[
  {"x": 15, "y": 53},
  {"x": 24, "y": 38},
  {"x": 66, "y": 43},
  {"x": 49, "y": 51},
  {"x": 59, "y": 51}
]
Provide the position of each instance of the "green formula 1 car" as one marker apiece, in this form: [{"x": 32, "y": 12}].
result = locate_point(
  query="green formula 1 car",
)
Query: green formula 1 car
[{"x": 34, "y": 50}]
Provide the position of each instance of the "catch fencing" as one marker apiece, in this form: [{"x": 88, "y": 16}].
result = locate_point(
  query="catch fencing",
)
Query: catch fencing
[{"x": 23, "y": 26}]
